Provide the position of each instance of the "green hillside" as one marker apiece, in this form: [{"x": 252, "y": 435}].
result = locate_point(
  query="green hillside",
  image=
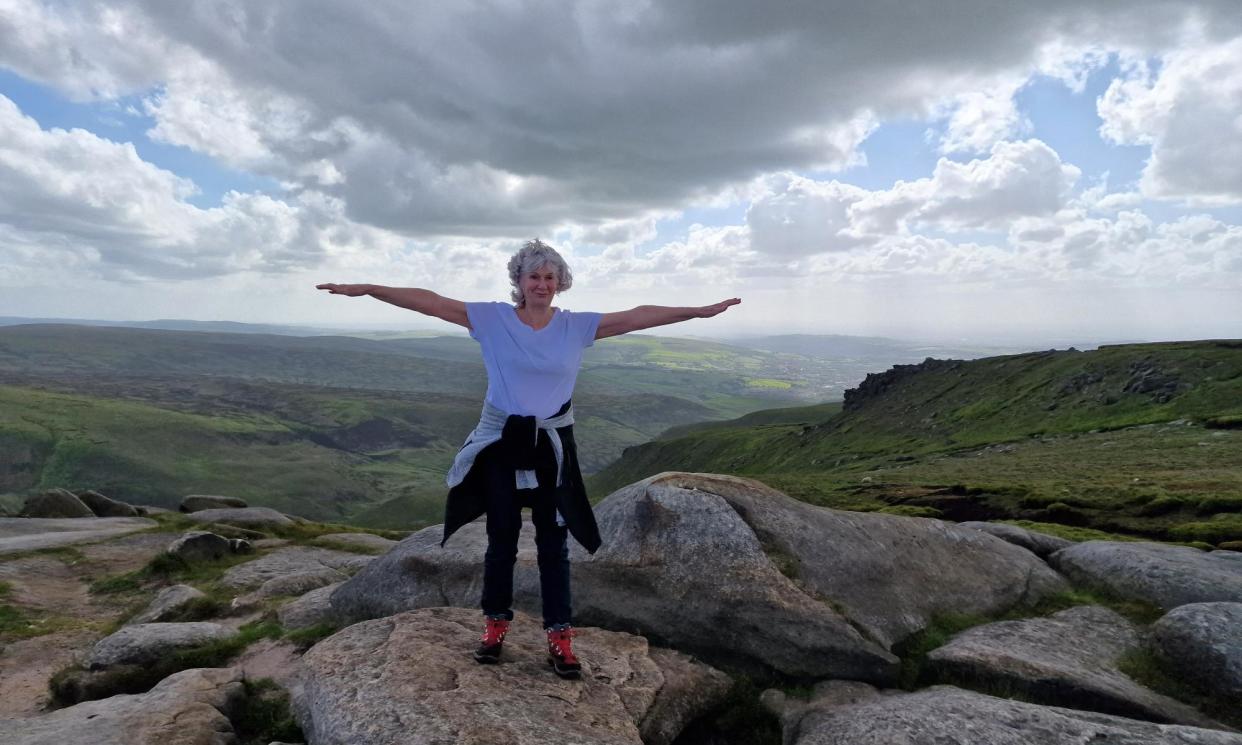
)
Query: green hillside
[{"x": 1139, "y": 439}]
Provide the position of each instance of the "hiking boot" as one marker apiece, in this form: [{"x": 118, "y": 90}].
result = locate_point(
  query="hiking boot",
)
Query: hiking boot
[
  {"x": 493, "y": 639},
  {"x": 561, "y": 653}
]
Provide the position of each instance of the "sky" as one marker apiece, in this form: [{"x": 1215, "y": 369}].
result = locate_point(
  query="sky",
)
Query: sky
[{"x": 979, "y": 170}]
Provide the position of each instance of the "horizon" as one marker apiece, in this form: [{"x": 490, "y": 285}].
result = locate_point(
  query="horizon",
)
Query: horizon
[{"x": 1014, "y": 171}]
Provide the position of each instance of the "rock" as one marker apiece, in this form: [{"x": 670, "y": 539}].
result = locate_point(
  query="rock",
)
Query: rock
[
  {"x": 431, "y": 692},
  {"x": 288, "y": 561},
  {"x": 1040, "y": 544},
  {"x": 147, "y": 642},
  {"x": 199, "y": 546},
  {"x": 848, "y": 714},
  {"x": 167, "y": 602},
  {"x": 1158, "y": 573},
  {"x": 31, "y": 533},
  {"x": 1201, "y": 643},
  {"x": 56, "y": 503},
  {"x": 1067, "y": 659},
  {"x": 366, "y": 541},
  {"x": 311, "y": 609},
  {"x": 188, "y": 708},
  {"x": 797, "y": 583},
  {"x": 199, "y": 502},
  {"x": 105, "y": 507},
  {"x": 300, "y": 583},
  {"x": 245, "y": 517}
]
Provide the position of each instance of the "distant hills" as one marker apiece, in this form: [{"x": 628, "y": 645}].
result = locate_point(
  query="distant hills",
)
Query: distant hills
[
  {"x": 357, "y": 428},
  {"x": 1141, "y": 439}
]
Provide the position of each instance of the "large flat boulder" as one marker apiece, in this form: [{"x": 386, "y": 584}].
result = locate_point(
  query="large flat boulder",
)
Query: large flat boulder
[
  {"x": 430, "y": 690},
  {"x": 855, "y": 714},
  {"x": 56, "y": 503},
  {"x": 284, "y": 563},
  {"x": 143, "y": 643},
  {"x": 1066, "y": 659},
  {"x": 1158, "y": 573},
  {"x": 1201, "y": 643},
  {"x": 19, "y": 534},
  {"x": 737, "y": 573},
  {"x": 368, "y": 542},
  {"x": 311, "y": 609},
  {"x": 187, "y": 708},
  {"x": 244, "y": 517}
]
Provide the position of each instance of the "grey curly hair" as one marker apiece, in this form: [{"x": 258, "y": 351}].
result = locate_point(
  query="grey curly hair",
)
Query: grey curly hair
[{"x": 533, "y": 255}]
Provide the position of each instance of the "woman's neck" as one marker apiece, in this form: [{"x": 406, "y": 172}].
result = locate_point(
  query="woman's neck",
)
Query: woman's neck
[{"x": 535, "y": 316}]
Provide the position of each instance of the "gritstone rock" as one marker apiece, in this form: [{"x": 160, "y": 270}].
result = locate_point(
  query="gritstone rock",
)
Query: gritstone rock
[
  {"x": 56, "y": 503},
  {"x": 166, "y": 603},
  {"x": 107, "y": 507},
  {"x": 737, "y": 573},
  {"x": 1067, "y": 659},
  {"x": 199, "y": 502},
  {"x": 1037, "y": 543},
  {"x": 1201, "y": 643},
  {"x": 1163, "y": 575},
  {"x": 432, "y": 692},
  {"x": 311, "y": 609},
  {"x": 850, "y": 714},
  {"x": 199, "y": 546},
  {"x": 245, "y": 517},
  {"x": 286, "y": 562},
  {"x": 187, "y": 708},
  {"x": 147, "y": 642}
]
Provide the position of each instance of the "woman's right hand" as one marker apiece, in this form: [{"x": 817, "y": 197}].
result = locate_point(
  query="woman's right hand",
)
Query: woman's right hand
[{"x": 350, "y": 290}]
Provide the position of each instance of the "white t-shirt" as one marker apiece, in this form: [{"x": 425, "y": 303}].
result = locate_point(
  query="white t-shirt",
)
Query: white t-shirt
[{"x": 529, "y": 372}]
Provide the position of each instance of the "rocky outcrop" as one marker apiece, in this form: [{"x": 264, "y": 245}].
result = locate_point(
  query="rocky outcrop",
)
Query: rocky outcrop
[
  {"x": 147, "y": 642},
  {"x": 107, "y": 507},
  {"x": 1040, "y": 544},
  {"x": 167, "y": 603},
  {"x": 1201, "y": 643},
  {"x": 199, "y": 502},
  {"x": 843, "y": 713},
  {"x": 1163, "y": 575},
  {"x": 1067, "y": 659},
  {"x": 33, "y": 533},
  {"x": 311, "y": 609},
  {"x": 244, "y": 517},
  {"x": 188, "y": 708},
  {"x": 56, "y": 503},
  {"x": 431, "y": 692},
  {"x": 199, "y": 546},
  {"x": 285, "y": 563},
  {"x": 798, "y": 583}
]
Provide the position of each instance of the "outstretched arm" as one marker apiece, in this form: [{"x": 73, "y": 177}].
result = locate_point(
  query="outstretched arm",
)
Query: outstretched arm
[
  {"x": 411, "y": 298},
  {"x": 647, "y": 316}
]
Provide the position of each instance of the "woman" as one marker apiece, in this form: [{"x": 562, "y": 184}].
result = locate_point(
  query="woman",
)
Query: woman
[{"x": 522, "y": 453}]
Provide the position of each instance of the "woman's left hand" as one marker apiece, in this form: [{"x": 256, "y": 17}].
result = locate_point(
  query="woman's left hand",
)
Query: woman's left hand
[{"x": 707, "y": 311}]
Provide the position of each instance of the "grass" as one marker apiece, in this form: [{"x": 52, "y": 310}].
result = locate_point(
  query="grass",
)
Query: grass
[
  {"x": 263, "y": 716},
  {"x": 1146, "y": 669}
]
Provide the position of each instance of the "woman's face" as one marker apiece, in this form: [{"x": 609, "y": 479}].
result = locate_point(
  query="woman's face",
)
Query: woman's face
[{"x": 539, "y": 286}]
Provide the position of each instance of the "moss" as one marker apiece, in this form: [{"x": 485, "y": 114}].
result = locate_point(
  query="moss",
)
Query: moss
[
  {"x": 739, "y": 720},
  {"x": 910, "y": 510},
  {"x": 263, "y": 716},
  {"x": 307, "y": 637}
]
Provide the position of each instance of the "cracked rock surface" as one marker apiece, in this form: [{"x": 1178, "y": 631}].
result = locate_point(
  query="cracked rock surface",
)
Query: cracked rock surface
[{"x": 410, "y": 679}]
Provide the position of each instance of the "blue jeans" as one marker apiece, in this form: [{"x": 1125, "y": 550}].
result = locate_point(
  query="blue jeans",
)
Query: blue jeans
[{"x": 504, "y": 523}]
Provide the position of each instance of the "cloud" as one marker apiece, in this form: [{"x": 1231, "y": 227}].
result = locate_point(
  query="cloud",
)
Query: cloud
[
  {"x": 98, "y": 203},
  {"x": 497, "y": 120},
  {"x": 1190, "y": 113}
]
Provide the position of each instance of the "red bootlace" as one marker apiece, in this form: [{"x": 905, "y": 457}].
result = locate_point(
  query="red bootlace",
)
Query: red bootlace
[
  {"x": 494, "y": 632},
  {"x": 560, "y": 645}
]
